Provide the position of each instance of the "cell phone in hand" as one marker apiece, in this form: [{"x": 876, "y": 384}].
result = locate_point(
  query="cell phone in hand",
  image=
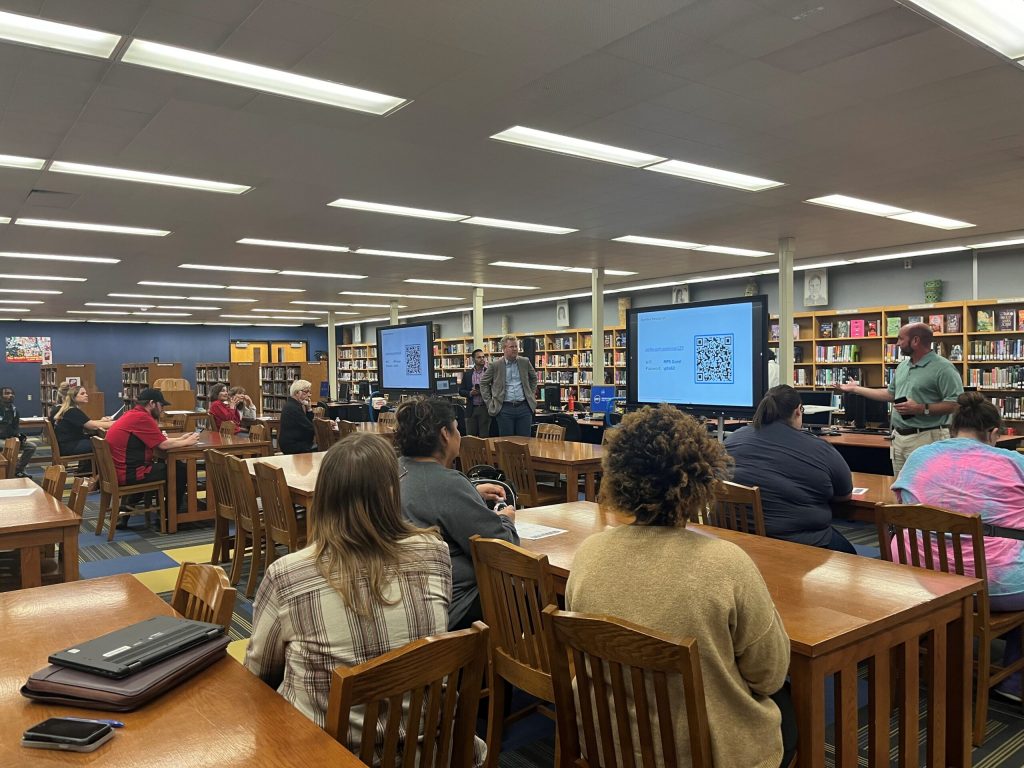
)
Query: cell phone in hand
[
  {"x": 899, "y": 400},
  {"x": 68, "y": 734}
]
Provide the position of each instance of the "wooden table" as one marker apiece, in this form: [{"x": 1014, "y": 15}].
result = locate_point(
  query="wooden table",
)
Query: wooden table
[
  {"x": 562, "y": 457},
  {"x": 870, "y": 452},
  {"x": 237, "y": 445},
  {"x": 224, "y": 717},
  {"x": 300, "y": 471},
  {"x": 862, "y": 506},
  {"x": 839, "y": 610},
  {"x": 30, "y": 522}
]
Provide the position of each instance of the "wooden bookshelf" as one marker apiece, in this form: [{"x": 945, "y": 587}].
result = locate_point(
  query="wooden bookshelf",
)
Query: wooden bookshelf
[
  {"x": 52, "y": 376},
  {"x": 136, "y": 377},
  {"x": 357, "y": 362},
  {"x": 276, "y": 378},
  {"x": 237, "y": 374}
]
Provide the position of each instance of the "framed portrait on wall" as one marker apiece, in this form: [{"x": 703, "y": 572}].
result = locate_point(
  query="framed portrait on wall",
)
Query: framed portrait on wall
[
  {"x": 681, "y": 294},
  {"x": 467, "y": 322},
  {"x": 562, "y": 314},
  {"x": 815, "y": 288}
]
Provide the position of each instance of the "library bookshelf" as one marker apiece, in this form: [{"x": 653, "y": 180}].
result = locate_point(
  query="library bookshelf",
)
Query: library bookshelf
[
  {"x": 52, "y": 376},
  {"x": 245, "y": 375},
  {"x": 276, "y": 379}
]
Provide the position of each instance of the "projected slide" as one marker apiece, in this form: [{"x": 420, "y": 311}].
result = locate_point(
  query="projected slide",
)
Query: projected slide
[
  {"x": 695, "y": 355},
  {"x": 405, "y": 358}
]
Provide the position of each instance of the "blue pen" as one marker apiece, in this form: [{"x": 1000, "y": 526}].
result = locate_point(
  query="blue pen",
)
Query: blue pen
[{"x": 111, "y": 723}]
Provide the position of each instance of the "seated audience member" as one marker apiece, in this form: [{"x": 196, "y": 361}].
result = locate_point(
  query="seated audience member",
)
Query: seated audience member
[
  {"x": 296, "y": 435},
  {"x": 132, "y": 439},
  {"x": 10, "y": 424},
  {"x": 368, "y": 583},
  {"x": 660, "y": 469},
  {"x": 433, "y": 494},
  {"x": 70, "y": 424},
  {"x": 221, "y": 407},
  {"x": 242, "y": 404},
  {"x": 968, "y": 474},
  {"x": 799, "y": 474}
]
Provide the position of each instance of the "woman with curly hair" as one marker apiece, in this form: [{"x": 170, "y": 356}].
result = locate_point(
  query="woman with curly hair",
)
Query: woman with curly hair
[{"x": 660, "y": 469}]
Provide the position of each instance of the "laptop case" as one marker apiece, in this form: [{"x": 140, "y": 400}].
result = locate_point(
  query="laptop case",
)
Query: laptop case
[{"x": 60, "y": 685}]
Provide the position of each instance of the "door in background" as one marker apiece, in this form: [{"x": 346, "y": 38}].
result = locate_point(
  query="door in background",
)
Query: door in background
[
  {"x": 250, "y": 351},
  {"x": 288, "y": 352}
]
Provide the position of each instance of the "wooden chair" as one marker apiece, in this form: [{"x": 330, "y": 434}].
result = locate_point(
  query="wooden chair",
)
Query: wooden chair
[
  {"x": 282, "y": 525},
  {"x": 387, "y": 419},
  {"x": 248, "y": 523},
  {"x": 326, "y": 436},
  {"x": 622, "y": 672},
  {"x": 515, "y": 585},
  {"x": 473, "y": 452},
  {"x": 227, "y": 428},
  {"x": 54, "y": 478},
  {"x": 176, "y": 422},
  {"x": 219, "y": 482},
  {"x": 192, "y": 421},
  {"x": 257, "y": 433},
  {"x": 211, "y": 423},
  {"x": 440, "y": 678},
  {"x": 10, "y": 451},
  {"x": 736, "y": 507},
  {"x": 319, "y": 412},
  {"x": 552, "y": 432},
  {"x": 56, "y": 457},
  {"x": 937, "y": 539},
  {"x": 111, "y": 492},
  {"x": 516, "y": 463},
  {"x": 346, "y": 428},
  {"x": 202, "y": 593},
  {"x": 79, "y": 494}
]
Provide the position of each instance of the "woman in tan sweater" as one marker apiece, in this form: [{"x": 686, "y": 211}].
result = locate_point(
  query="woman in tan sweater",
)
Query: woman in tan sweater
[{"x": 660, "y": 467}]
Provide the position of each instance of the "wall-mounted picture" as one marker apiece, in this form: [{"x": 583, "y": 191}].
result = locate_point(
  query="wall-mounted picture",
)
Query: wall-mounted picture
[
  {"x": 681, "y": 294},
  {"x": 815, "y": 288},
  {"x": 29, "y": 349},
  {"x": 467, "y": 322},
  {"x": 73, "y": 381},
  {"x": 562, "y": 314}
]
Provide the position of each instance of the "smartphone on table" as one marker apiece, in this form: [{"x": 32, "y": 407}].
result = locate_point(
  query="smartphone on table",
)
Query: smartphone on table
[{"x": 67, "y": 734}]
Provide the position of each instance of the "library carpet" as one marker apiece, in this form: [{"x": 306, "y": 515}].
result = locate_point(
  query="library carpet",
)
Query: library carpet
[{"x": 154, "y": 558}]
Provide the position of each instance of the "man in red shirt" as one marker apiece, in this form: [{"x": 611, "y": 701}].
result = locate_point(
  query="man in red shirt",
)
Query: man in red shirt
[{"x": 132, "y": 439}]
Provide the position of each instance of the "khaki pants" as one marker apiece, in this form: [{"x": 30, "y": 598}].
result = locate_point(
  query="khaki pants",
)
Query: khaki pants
[
  {"x": 478, "y": 423},
  {"x": 904, "y": 445}
]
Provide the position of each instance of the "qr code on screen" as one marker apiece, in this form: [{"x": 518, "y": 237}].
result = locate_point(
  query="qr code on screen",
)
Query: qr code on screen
[
  {"x": 412, "y": 360},
  {"x": 715, "y": 359}
]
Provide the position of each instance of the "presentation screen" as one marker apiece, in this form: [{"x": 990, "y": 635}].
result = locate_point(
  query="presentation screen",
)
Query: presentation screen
[
  {"x": 709, "y": 357},
  {"x": 405, "y": 357}
]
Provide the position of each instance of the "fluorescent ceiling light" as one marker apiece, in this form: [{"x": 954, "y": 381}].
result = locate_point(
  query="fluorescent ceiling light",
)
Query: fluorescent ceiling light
[
  {"x": 249, "y": 317},
  {"x": 15, "y": 309},
  {"x": 909, "y": 254},
  {"x": 122, "y": 322},
  {"x": 143, "y": 296},
  {"x": 299, "y": 311},
  {"x": 640, "y": 240},
  {"x": 55, "y": 320},
  {"x": 397, "y": 210},
  {"x": 733, "y": 251},
  {"x": 172, "y": 322},
  {"x": 96, "y": 312},
  {"x": 289, "y": 244},
  {"x": 44, "y": 277},
  {"x": 18, "y": 301},
  {"x": 342, "y": 304},
  {"x": 472, "y": 285},
  {"x": 710, "y": 175},
  {"x": 554, "y": 268},
  {"x": 567, "y": 145},
  {"x": 53, "y": 257},
  {"x": 821, "y": 265},
  {"x": 338, "y": 275},
  {"x": 400, "y": 295},
  {"x": 520, "y": 225},
  {"x": 211, "y": 286},
  {"x": 999, "y": 25},
  {"x": 928, "y": 220},
  {"x": 111, "y": 228},
  {"x": 215, "y": 298},
  {"x": 145, "y": 177},
  {"x": 261, "y": 288},
  {"x": 62, "y": 37},
  {"x": 847, "y": 203},
  {"x": 164, "y": 314},
  {"x": 401, "y": 254},
  {"x": 32, "y": 291},
  {"x": 194, "y": 309},
  {"x": 112, "y": 304},
  {"x": 226, "y": 268},
  {"x": 26, "y": 163},
  {"x": 5, "y": 220},
  {"x": 245, "y": 75},
  {"x": 999, "y": 244},
  {"x": 215, "y": 322}
]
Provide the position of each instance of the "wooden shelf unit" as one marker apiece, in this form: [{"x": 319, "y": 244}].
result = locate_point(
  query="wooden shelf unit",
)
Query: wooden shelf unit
[
  {"x": 237, "y": 374},
  {"x": 136, "y": 377},
  {"x": 52, "y": 376},
  {"x": 357, "y": 362},
  {"x": 276, "y": 378}
]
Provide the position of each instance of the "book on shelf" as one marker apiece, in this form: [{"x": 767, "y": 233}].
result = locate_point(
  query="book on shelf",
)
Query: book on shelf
[
  {"x": 937, "y": 323},
  {"x": 871, "y": 328},
  {"x": 956, "y": 354},
  {"x": 1020, "y": 319},
  {"x": 952, "y": 322},
  {"x": 857, "y": 328},
  {"x": 985, "y": 320},
  {"x": 774, "y": 331},
  {"x": 842, "y": 329},
  {"x": 914, "y": 319},
  {"x": 825, "y": 330},
  {"x": 893, "y": 325},
  {"x": 1006, "y": 320}
]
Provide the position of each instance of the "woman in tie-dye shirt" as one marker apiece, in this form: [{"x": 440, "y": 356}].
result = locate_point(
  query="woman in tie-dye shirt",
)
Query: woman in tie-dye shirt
[{"x": 968, "y": 474}]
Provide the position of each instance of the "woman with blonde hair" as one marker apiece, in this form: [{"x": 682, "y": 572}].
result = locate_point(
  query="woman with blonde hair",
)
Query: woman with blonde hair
[
  {"x": 70, "y": 422},
  {"x": 368, "y": 582}
]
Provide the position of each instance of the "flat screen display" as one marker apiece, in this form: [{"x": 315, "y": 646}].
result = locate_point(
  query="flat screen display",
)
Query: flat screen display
[
  {"x": 405, "y": 355},
  {"x": 709, "y": 357}
]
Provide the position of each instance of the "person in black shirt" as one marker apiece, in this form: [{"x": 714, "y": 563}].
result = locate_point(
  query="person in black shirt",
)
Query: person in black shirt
[
  {"x": 10, "y": 422},
  {"x": 70, "y": 423},
  {"x": 295, "y": 435}
]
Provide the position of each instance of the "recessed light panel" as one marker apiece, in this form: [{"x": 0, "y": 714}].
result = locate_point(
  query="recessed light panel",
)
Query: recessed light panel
[
  {"x": 226, "y": 268},
  {"x": 555, "y": 268},
  {"x": 55, "y": 257},
  {"x": 999, "y": 24},
  {"x": 473, "y": 285},
  {"x": 401, "y": 295},
  {"x": 999, "y": 244},
  {"x": 520, "y": 225},
  {"x": 733, "y": 251},
  {"x": 145, "y": 177},
  {"x": 44, "y": 277},
  {"x": 211, "y": 286},
  {"x": 25, "y": 163},
  {"x": 86, "y": 227},
  {"x": 262, "y": 288},
  {"x": 220, "y": 298},
  {"x": 847, "y": 203},
  {"x": 567, "y": 145},
  {"x": 62, "y": 37},
  {"x": 396, "y": 210},
  {"x": 710, "y": 175},
  {"x": 144, "y": 296},
  {"x": 928, "y": 220},
  {"x": 19, "y": 301},
  {"x": 338, "y": 275},
  {"x": 402, "y": 254},
  {"x": 290, "y": 244},
  {"x": 33, "y": 291},
  {"x": 640, "y": 240}
]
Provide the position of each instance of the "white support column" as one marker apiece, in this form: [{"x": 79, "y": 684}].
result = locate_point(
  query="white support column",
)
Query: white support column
[
  {"x": 787, "y": 250},
  {"x": 478, "y": 318},
  {"x": 332, "y": 357},
  {"x": 597, "y": 324},
  {"x": 394, "y": 312}
]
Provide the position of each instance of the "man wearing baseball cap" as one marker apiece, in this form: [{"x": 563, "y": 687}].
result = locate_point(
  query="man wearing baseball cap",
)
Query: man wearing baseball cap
[{"x": 132, "y": 439}]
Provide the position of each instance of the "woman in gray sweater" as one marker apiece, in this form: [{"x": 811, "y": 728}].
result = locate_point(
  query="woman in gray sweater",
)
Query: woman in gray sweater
[{"x": 433, "y": 494}]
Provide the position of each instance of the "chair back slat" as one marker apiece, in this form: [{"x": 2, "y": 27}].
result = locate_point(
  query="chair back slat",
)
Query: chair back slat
[
  {"x": 192, "y": 421},
  {"x": 604, "y": 651},
  {"x": 346, "y": 428},
  {"x": 473, "y": 452},
  {"x": 78, "y": 495},
  {"x": 203, "y": 593},
  {"x": 211, "y": 423},
  {"x": 10, "y": 452},
  {"x": 243, "y": 496},
  {"x": 54, "y": 478},
  {"x": 104, "y": 462},
  {"x": 433, "y": 683},
  {"x": 217, "y": 477},
  {"x": 282, "y": 524},
  {"x": 517, "y": 464},
  {"x": 257, "y": 433},
  {"x": 325, "y": 434},
  {"x": 738, "y": 508},
  {"x": 176, "y": 422},
  {"x": 387, "y": 419},
  {"x": 552, "y": 432},
  {"x": 227, "y": 427}
]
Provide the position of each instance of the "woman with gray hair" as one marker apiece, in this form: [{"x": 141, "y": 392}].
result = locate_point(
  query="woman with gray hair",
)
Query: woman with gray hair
[{"x": 295, "y": 435}]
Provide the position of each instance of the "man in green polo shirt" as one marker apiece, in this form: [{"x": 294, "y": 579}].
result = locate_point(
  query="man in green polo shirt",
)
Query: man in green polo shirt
[{"x": 930, "y": 384}]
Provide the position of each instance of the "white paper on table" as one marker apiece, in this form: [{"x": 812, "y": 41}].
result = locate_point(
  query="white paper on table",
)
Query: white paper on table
[
  {"x": 534, "y": 531},
  {"x": 12, "y": 493},
  {"x": 859, "y": 491}
]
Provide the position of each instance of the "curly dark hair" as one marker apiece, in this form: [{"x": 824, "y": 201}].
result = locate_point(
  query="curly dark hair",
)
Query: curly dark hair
[
  {"x": 419, "y": 425},
  {"x": 661, "y": 466}
]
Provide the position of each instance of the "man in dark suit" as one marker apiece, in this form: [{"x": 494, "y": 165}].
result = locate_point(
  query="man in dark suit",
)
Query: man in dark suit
[
  {"x": 478, "y": 420},
  {"x": 508, "y": 389}
]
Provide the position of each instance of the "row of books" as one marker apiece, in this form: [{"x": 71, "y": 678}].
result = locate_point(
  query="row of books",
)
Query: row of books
[
  {"x": 220, "y": 373},
  {"x": 1007, "y": 377},
  {"x": 350, "y": 376},
  {"x": 829, "y": 377},
  {"x": 857, "y": 328},
  {"x": 800, "y": 377},
  {"x": 280, "y": 372},
  {"x": 996, "y": 349},
  {"x": 359, "y": 364},
  {"x": 559, "y": 361},
  {"x": 1010, "y": 407},
  {"x": 360, "y": 353},
  {"x": 893, "y": 354},
  {"x": 279, "y": 388},
  {"x": 457, "y": 348},
  {"x": 837, "y": 353},
  {"x": 999, "y": 320}
]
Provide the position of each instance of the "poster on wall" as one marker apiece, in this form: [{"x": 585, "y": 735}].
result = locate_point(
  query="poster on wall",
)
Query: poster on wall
[
  {"x": 562, "y": 314},
  {"x": 29, "y": 349},
  {"x": 815, "y": 288}
]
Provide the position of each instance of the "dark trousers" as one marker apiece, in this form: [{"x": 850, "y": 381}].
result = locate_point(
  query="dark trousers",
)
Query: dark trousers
[
  {"x": 28, "y": 449},
  {"x": 478, "y": 422},
  {"x": 515, "y": 420},
  {"x": 783, "y": 699},
  {"x": 156, "y": 474},
  {"x": 840, "y": 543}
]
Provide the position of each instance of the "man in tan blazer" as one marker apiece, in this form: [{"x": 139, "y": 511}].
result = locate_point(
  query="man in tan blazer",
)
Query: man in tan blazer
[{"x": 508, "y": 389}]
